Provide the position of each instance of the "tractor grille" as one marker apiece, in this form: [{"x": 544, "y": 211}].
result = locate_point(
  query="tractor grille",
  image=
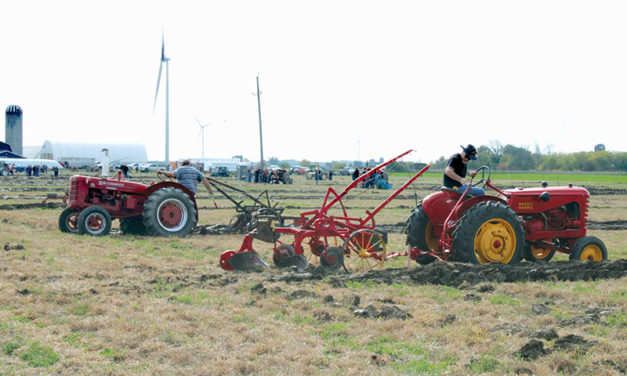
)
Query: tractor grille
[{"x": 73, "y": 191}]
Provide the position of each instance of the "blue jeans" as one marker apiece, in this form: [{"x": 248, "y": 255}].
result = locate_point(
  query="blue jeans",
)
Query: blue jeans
[{"x": 473, "y": 191}]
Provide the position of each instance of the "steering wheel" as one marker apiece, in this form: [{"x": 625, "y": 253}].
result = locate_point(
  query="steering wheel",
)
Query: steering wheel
[{"x": 481, "y": 170}]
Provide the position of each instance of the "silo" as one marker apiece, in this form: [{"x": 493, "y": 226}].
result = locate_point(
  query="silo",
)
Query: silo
[{"x": 13, "y": 128}]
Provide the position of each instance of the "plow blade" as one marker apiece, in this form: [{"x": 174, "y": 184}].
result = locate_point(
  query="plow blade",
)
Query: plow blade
[
  {"x": 298, "y": 261},
  {"x": 248, "y": 261}
]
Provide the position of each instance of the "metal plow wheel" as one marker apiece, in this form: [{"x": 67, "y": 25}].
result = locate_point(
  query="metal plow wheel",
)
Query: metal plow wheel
[
  {"x": 313, "y": 247},
  {"x": 364, "y": 250}
]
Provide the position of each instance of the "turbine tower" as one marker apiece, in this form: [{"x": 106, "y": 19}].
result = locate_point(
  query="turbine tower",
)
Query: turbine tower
[
  {"x": 165, "y": 60},
  {"x": 202, "y": 130}
]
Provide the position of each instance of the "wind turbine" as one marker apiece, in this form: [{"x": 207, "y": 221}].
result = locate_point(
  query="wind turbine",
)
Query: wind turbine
[
  {"x": 165, "y": 60},
  {"x": 202, "y": 130}
]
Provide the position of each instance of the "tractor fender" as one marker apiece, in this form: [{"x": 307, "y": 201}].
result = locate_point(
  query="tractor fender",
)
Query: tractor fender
[
  {"x": 439, "y": 205},
  {"x": 165, "y": 184}
]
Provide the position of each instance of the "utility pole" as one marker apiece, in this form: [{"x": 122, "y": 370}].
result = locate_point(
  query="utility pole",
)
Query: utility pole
[{"x": 262, "y": 163}]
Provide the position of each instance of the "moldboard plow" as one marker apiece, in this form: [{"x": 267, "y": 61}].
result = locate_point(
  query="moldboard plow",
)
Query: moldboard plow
[{"x": 336, "y": 241}]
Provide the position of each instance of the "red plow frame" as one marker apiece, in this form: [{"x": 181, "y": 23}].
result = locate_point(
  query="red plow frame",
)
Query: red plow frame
[{"x": 316, "y": 234}]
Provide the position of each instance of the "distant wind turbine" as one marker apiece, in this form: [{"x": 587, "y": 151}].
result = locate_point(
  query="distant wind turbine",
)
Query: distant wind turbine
[
  {"x": 165, "y": 60},
  {"x": 202, "y": 130}
]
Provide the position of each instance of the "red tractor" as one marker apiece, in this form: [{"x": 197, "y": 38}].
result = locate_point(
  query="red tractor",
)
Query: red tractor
[
  {"x": 532, "y": 223},
  {"x": 162, "y": 209}
]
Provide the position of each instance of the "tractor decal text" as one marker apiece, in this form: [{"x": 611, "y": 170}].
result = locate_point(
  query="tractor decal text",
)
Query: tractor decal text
[
  {"x": 110, "y": 183},
  {"x": 525, "y": 205}
]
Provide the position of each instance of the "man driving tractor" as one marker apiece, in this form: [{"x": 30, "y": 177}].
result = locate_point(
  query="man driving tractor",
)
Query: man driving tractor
[
  {"x": 456, "y": 168},
  {"x": 188, "y": 176}
]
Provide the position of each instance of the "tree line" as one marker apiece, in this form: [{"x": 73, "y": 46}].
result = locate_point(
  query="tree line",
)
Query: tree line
[
  {"x": 514, "y": 158},
  {"x": 504, "y": 158}
]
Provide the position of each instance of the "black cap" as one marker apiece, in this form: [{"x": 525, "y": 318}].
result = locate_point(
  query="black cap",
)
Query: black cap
[{"x": 470, "y": 151}]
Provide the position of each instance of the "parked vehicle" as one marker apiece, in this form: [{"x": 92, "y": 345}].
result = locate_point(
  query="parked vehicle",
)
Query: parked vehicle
[{"x": 299, "y": 170}]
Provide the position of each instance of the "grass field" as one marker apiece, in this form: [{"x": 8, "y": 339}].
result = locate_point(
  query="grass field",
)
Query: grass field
[{"x": 133, "y": 305}]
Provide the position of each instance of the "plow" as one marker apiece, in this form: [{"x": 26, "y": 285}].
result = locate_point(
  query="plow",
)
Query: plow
[
  {"x": 249, "y": 213},
  {"x": 334, "y": 241}
]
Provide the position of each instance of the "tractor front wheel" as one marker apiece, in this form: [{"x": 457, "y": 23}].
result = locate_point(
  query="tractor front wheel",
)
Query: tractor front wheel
[
  {"x": 588, "y": 248},
  {"x": 169, "y": 212},
  {"x": 489, "y": 232},
  {"x": 68, "y": 221},
  {"x": 94, "y": 221}
]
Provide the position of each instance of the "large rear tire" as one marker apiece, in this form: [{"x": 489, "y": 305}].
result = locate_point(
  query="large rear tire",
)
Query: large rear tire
[
  {"x": 421, "y": 234},
  {"x": 94, "y": 221},
  {"x": 169, "y": 212},
  {"x": 588, "y": 248},
  {"x": 489, "y": 232}
]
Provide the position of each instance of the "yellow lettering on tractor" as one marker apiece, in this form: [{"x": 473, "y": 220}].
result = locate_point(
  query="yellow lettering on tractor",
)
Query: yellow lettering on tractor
[{"x": 525, "y": 205}]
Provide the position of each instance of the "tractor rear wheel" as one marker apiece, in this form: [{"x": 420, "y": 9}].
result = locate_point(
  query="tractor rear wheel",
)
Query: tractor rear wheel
[
  {"x": 68, "y": 220},
  {"x": 588, "y": 248},
  {"x": 132, "y": 226},
  {"x": 169, "y": 212},
  {"x": 94, "y": 221},
  {"x": 421, "y": 234},
  {"x": 489, "y": 232}
]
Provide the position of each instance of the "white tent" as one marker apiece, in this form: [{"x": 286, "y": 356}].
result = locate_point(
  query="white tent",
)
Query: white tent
[{"x": 118, "y": 153}]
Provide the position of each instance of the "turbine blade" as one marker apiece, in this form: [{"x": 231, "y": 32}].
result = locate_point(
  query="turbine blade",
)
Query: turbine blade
[
  {"x": 198, "y": 121},
  {"x": 157, "y": 91}
]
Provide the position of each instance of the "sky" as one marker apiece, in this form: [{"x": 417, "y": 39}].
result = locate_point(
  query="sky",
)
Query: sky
[{"x": 340, "y": 79}]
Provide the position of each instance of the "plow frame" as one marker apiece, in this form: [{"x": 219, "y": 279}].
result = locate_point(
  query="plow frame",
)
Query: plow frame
[{"x": 316, "y": 227}]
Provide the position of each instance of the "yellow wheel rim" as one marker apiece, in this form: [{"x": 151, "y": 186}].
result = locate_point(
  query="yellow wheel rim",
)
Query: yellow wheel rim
[
  {"x": 495, "y": 242},
  {"x": 433, "y": 242},
  {"x": 364, "y": 250},
  {"x": 540, "y": 253},
  {"x": 591, "y": 252}
]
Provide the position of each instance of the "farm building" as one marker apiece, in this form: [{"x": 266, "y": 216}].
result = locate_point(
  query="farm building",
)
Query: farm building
[{"x": 79, "y": 153}]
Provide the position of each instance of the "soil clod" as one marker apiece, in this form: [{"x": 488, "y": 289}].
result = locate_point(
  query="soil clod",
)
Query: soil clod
[{"x": 532, "y": 350}]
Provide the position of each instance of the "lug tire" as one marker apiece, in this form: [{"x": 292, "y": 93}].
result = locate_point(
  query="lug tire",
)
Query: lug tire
[
  {"x": 94, "y": 221},
  {"x": 68, "y": 221},
  {"x": 588, "y": 248},
  {"x": 169, "y": 212},
  {"x": 420, "y": 234},
  {"x": 489, "y": 232}
]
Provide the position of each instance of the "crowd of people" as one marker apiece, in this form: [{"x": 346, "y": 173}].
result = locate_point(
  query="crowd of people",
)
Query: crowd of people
[
  {"x": 35, "y": 170},
  {"x": 267, "y": 176},
  {"x": 378, "y": 179}
]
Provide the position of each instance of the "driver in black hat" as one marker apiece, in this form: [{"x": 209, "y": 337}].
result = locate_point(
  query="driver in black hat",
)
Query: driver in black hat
[{"x": 456, "y": 168}]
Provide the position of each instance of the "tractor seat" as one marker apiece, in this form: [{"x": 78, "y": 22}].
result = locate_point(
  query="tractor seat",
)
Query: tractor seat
[{"x": 454, "y": 192}]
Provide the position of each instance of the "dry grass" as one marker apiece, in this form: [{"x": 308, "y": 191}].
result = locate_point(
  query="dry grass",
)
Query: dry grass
[{"x": 134, "y": 305}]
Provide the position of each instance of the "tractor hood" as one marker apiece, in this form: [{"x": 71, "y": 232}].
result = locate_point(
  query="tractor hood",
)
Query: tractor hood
[
  {"x": 111, "y": 184},
  {"x": 530, "y": 200}
]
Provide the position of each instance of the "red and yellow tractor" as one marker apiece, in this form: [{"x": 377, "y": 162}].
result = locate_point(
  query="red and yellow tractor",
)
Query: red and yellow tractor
[{"x": 530, "y": 223}]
